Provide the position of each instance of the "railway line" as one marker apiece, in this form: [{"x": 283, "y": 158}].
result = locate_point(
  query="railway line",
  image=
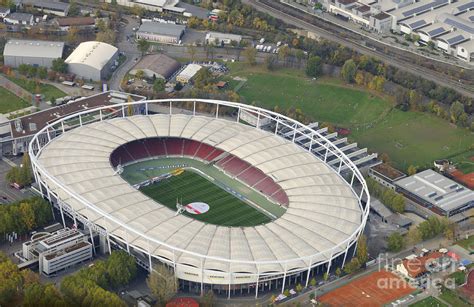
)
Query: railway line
[{"x": 348, "y": 38}]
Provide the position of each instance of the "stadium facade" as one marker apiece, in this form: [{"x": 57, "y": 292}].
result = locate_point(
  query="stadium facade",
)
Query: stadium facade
[{"x": 75, "y": 166}]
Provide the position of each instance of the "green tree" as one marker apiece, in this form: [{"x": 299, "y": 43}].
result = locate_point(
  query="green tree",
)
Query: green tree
[
  {"x": 140, "y": 74},
  {"x": 338, "y": 272},
  {"x": 159, "y": 85},
  {"x": 42, "y": 72},
  {"x": 121, "y": 268},
  {"x": 10, "y": 282},
  {"x": 325, "y": 276},
  {"x": 59, "y": 65},
  {"x": 74, "y": 9},
  {"x": 362, "y": 253},
  {"x": 271, "y": 62},
  {"x": 208, "y": 299},
  {"x": 250, "y": 55},
  {"x": 456, "y": 112},
  {"x": 162, "y": 284},
  {"x": 27, "y": 216},
  {"x": 412, "y": 170},
  {"x": 314, "y": 67},
  {"x": 299, "y": 288},
  {"x": 143, "y": 45},
  {"x": 349, "y": 70},
  {"x": 192, "y": 51},
  {"x": 395, "y": 242},
  {"x": 313, "y": 282}
]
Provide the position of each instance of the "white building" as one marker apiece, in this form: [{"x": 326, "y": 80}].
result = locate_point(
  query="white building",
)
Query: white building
[
  {"x": 92, "y": 60},
  {"x": 218, "y": 38},
  {"x": 48, "y": 6},
  {"x": 59, "y": 250},
  {"x": 165, "y": 33},
  {"x": 153, "y": 5},
  {"x": 20, "y": 19},
  {"x": 32, "y": 52},
  {"x": 188, "y": 73}
]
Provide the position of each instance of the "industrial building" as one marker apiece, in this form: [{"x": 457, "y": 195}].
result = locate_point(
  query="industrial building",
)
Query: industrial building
[
  {"x": 15, "y": 140},
  {"x": 24, "y": 19},
  {"x": 59, "y": 250},
  {"x": 165, "y": 33},
  {"x": 188, "y": 73},
  {"x": 386, "y": 175},
  {"x": 48, "y": 6},
  {"x": 80, "y": 23},
  {"x": 219, "y": 39},
  {"x": 92, "y": 60},
  {"x": 32, "y": 52},
  {"x": 439, "y": 194},
  {"x": 153, "y": 5},
  {"x": 157, "y": 66}
]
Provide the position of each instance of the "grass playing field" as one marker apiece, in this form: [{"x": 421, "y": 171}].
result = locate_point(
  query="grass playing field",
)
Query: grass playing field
[
  {"x": 429, "y": 302},
  {"x": 409, "y": 138},
  {"x": 224, "y": 208},
  {"x": 10, "y": 102}
]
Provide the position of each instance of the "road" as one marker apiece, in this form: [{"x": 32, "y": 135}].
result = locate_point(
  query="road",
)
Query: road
[
  {"x": 128, "y": 48},
  {"x": 358, "y": 46}
]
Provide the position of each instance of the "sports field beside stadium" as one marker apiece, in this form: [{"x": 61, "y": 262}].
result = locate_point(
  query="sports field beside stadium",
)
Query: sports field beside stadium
[
  {"x": 376, "y": 289},
  {"x": 224, "y": 208}
]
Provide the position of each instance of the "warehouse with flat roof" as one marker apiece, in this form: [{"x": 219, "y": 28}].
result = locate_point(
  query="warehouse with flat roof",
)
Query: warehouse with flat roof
[
  {"x": 32, "y": 52},
  {"x": 92, "y": 60},
  {"x": 188, "y": 73},
  {"x": 158, "y": 65},
  {"x": 437, "y": 192},
  {"x": 166, "y": 33}
]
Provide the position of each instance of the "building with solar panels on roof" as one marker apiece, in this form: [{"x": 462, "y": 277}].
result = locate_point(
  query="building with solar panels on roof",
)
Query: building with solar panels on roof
[
  {"x": 439, "y": 194},
  {"x": 32, "y": 52}
]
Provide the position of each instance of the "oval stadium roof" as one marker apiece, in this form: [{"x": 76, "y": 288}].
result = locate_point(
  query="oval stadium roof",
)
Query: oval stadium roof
[{"x": 323, "y": 211}]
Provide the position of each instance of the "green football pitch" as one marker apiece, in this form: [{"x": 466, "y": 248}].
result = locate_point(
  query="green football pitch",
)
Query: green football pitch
[{"x": 224, "y": 208}]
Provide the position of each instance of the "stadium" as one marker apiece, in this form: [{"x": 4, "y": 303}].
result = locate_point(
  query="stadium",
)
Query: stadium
[{"x": 229, "y": 196}]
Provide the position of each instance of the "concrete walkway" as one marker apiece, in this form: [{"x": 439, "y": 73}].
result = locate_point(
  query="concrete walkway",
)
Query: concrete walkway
[{"x": 15, "y": 89}]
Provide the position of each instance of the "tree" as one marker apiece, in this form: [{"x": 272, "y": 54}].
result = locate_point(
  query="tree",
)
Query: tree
[
  {"x": 250, "y": 55},
  {"x": 74, "y": 9},
  {"x": 284, "y": 53},
  {"x": 59, "y": 65},
  {"x": 121, "y": 268},
  {"x": 140, "y": 74},
  {"x": 192, "y": 51},
  {"x": 338, "y": 272},
  {"x": 72, "y": 35},
  {"x": 162, "y": 284},
  {"x": 412, "y": 170},
  {"x": 314, "y": 67},
  {"x": 107, "y": 36},
  {"x": 203, "y": 78},
  {"x": 208, "y": 299},
  {"x": 271, "y": 62},
  {"x": 395, "y": 242},
  {"x": 362, "y": 253},
  {"x": 325, "y": 276},
  {"x": 413, "y": 236},
  {"x": 349, "y": 70},
  {"x": 42, "y": 72},
  {"x": 10, "y": 282},
  {"x": 456, "y": 112},
  {"x": 299, "y": 288},
  {"x": 143, "y": 45},
  {"x": 313, "y": 282},
  {"x": 27, "y": 216},
  {"x": 159, "y": 85}
]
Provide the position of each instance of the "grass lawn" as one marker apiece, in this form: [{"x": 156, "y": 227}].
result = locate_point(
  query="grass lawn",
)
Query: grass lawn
[
  {"x": 459, "y": 277},
  {"x": 428, "y": 302},
  {"x": 452, "y": 298},
  {"x": 224, "y": 208},
  {"x": 408, "y": 137},
  {"x": 47, "y": 90},
  {"x": 467, "y": 243},
  {"x": 10, "y": 102}
]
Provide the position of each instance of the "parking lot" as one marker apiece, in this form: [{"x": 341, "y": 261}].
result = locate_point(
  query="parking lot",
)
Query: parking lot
[{"x": 7, "y": 193}]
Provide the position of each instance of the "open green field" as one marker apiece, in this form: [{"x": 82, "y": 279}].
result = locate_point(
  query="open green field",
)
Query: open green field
[
  {"x": 10, "y": 102},
  {"x": 47, "y": 90},
  {"x": 467, "y": 243},
  {"x": 193, "y": 187},
  {"x": 224, "y": 208},
  {"x": 451, "y": 297},
  {"x": 409, "y": 138},
  {"x": 429, "y": 302}
]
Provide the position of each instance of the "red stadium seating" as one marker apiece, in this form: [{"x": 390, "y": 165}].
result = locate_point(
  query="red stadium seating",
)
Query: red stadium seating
[
  {"x": 137, "y": 150},
  {"x": 190, "y": 147},
  {"x": 280, "y": 197},
  {"x": 267, "y": 186},
  {"x": 214, "y": 154},
  {"x": 203, "y": 151},
  {"x": 120, "y": 156},
  {"x": 155, "y": 147},
  {"x": 251, "y": 176},
  {"x": 174, "y": 146}
]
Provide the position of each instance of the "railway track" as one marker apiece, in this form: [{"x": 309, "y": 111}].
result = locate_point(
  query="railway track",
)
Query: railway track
[{"x": 347, "y": 38}]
